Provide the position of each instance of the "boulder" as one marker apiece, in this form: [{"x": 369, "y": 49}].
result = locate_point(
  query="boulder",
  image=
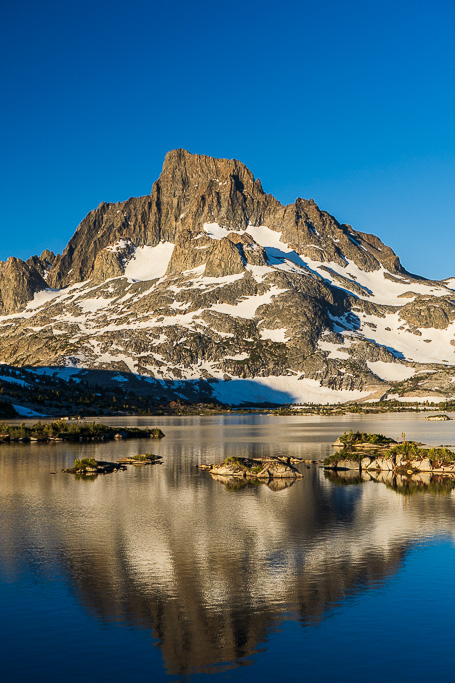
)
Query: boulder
[{"x": 421, "y": 465}]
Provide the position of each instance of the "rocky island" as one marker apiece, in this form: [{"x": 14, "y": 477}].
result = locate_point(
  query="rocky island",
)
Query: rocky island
[
  {"x": 254, "y": 468},
  {"x": 437, "y": 418},
  {"x": 372, "y": 452},
  {"x": 92, "y": 467},
  {"x": 144, "y": 459}
]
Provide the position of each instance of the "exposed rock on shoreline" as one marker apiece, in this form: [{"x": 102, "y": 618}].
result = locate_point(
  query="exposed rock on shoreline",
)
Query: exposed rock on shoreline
[
  {"x": 374, "y": 452},
  {"x": 252, "y": 468}
]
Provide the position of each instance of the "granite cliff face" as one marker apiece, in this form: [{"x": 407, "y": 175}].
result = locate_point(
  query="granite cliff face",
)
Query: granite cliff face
[
  {"x": 210, "y": 278},
  {"x": 18, "y": 283}
]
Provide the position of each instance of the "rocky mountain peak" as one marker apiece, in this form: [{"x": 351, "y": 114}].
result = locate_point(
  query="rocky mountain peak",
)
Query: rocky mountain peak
[
  {"x": 194, "y": 190},
  {"x": 210, "y": 279},
  {"x": 183, "y": 171}
]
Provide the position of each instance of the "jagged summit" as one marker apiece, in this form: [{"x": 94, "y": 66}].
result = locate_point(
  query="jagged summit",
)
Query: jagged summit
[
  {"x": 193, "y": 190},
  {"x": 210, "y": 278}
]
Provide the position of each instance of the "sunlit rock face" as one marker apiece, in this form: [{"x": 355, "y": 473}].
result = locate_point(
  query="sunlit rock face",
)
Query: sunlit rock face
[
  {"x": 210, "y": 278},
  {"x": 208, "y": 570}
]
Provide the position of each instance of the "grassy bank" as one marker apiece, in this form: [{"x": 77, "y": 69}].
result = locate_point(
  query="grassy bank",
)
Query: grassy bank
[{"x": 69, "y": 431}]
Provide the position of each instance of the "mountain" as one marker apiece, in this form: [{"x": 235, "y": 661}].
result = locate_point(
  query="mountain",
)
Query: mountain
[{"x": 209, "y": 287}]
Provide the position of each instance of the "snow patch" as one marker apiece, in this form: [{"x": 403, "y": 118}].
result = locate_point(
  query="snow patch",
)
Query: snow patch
[
  {"x": 216, "y": 232},
  {"x": 246, "y": 307},
  {"x": 416, "y": 399},
  {"x": 93, "y": 305},
  {"x": 432, "y": 346},
  {"x": 278, "y": 335},
  {"x": 334, "y": 350},
  {"x": 390, "y": 372},
  {"x": 259, "y": 272},
  {"x": 224, "y": 280},
  {"x": 13, "y": 380},
  {"x": 62, "y": 373},
  {"x": 149, "y": 263},
  {"x": 26, "y": 412},
  {"x": 43, "y": 297},
  {"x": 281, "y": 390}
]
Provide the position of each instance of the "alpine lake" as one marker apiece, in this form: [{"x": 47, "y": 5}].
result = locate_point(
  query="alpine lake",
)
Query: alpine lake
[{"x": 163, "y": 573}]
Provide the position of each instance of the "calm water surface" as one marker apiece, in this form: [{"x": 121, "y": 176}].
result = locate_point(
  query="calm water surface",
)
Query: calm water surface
[{"x": 163, "y": 573}]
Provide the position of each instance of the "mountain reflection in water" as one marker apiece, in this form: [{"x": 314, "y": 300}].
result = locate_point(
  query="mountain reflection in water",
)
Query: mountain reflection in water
[{"x": 208, "y": 566}]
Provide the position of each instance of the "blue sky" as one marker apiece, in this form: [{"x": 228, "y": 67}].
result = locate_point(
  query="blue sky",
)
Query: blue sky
[{"x": 350, "y": 103}]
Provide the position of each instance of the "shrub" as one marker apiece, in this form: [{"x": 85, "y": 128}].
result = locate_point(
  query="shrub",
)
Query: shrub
[
  {"x": 146, "y": 457},
  {"x": 83, "y": 463},
  {"x": 352, "y": 438}
]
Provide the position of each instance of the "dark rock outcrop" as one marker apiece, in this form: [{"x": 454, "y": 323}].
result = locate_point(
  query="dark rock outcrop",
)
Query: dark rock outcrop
[
  {"x": 42, "y": 263},
  {"x": 19, "y": 282}
]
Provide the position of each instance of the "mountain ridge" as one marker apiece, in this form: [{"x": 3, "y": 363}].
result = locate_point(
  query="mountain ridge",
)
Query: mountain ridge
[{"x": 209, "y": 278}]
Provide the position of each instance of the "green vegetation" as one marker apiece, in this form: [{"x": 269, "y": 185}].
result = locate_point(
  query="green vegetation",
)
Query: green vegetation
[
  {"x": 91, "y": 395},
  {"x": 245, "y": 464},
  {"x": 351, "y": 438},
  {"x": 155, "y": 432},
  {"x": 73, "y": 431},
  {"x": 437, "y": 456},
  {"x": 84, "y": 463},
  {"x": 146, "y": 457},
  {"x": 344, "y": 454},
  {"x": 94, "y": 393},
  {"x": 89, "y": 466},
  {"x": 356, "y": 447},
  {"x": 377, "y": 407}
]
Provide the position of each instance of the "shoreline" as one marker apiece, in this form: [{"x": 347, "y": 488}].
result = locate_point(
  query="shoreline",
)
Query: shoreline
[{"x": 356, "y": 410}]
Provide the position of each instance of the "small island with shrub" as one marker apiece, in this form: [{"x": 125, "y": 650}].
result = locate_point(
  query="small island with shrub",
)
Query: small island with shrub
[
  {"x": 141, "y": 459},
  {"x": 91, "y": 467},
  {"x": 254, "y": 468}
]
